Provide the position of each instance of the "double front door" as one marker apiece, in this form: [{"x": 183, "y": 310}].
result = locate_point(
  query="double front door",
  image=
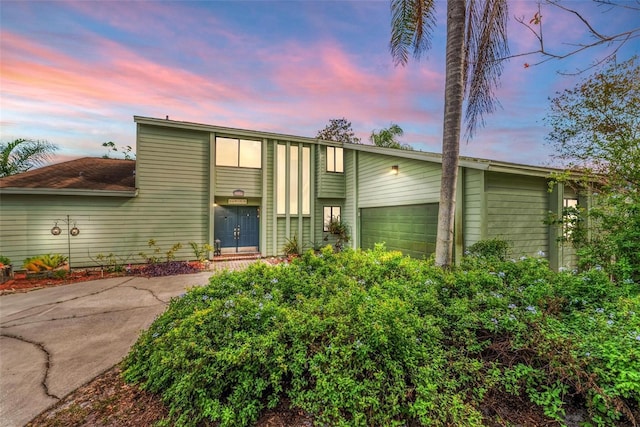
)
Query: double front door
[{"x": 237, "y": 228}]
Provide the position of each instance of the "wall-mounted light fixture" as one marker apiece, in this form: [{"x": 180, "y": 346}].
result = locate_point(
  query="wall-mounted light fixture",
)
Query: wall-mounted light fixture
[
  {"x": 395, "y": 169},
  {"x": 238, "y": 193},
  {"x": 73, "y": 231}
]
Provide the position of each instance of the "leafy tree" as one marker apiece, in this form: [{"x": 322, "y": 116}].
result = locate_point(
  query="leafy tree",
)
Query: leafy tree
[
  {"x": 338, "y": 130},
  {"x": 387, "y": 137},
  {"x": 126, "y": 151},
  {"x": 22, "y": 155},
  {"x": 596, "y": 127},
  {"x": 476, "y": 41}
]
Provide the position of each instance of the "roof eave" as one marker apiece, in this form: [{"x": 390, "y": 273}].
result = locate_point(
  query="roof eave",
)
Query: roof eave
[{"x": 68, "y": 192}]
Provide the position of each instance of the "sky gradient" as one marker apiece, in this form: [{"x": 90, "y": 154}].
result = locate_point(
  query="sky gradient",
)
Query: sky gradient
[{"x": 76, "y": 72}]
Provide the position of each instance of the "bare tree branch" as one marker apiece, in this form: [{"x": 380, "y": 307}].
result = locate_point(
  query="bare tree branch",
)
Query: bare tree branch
[{"x": 535, "y": 26}]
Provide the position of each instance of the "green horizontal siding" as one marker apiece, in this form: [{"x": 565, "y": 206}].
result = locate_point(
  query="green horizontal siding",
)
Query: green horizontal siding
[
  {"x": 473, "y": 214},
  {"x": 416, "y": 182},
  {"x": 230, "y": 179},
  {"x": 328, "y": 184},
  {"x": 516, "y": 209}
]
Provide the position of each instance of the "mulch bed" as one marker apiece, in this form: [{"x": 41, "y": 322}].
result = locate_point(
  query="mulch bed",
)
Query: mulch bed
[{"x": 21, "y": 282}]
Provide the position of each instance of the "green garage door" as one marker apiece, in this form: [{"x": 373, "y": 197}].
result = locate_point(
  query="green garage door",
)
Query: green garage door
[{"x": 409, "y": 229}]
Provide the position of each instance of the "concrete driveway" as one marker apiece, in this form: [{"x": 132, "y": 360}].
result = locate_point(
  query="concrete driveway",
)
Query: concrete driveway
[{"x": 55, "y": 340}]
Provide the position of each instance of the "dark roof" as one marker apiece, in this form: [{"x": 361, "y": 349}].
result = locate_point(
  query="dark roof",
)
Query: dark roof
[{"x": 87, "y": 173}]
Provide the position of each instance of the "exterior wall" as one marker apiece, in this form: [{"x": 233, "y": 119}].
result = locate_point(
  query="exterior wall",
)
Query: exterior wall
[
  {"x": 516, "y": 209},
  {"x": 328, "y": 184},
  {"x": 417, "y": 181},
  {"x": 178, "y": 184},
  {"x": 229, "y": 179},
  {"x": 173, "y": 180},
  {"x": 107, "y": 224},
  {"x": 474, "y": 208}
]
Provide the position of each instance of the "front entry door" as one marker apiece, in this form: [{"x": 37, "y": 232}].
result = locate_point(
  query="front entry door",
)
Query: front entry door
[{"x": 237, "y": 228}]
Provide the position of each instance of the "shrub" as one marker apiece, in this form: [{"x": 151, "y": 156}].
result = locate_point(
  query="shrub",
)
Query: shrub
[
  {"x": 46, "y": 262},
  {"x": 4, "y": 260},
  {"x": 170, "y": 254},
  {"x": 373, "y": 338},
  {"x": 489, "y": 248},
  {"x": 292, "y": 246},
  {"x": 201, "y": 252}
]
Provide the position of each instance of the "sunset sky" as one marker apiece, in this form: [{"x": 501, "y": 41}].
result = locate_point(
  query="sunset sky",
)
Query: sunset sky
[{"x": 76, "y": 72}]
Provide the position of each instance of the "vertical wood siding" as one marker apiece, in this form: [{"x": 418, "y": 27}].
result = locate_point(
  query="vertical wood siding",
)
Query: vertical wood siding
[
  {"x": 516, "y": 209},
  {"x": 416, "y": 182}
]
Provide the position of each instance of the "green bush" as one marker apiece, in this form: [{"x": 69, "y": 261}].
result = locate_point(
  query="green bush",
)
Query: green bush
[{"x": 362, "y": 338}]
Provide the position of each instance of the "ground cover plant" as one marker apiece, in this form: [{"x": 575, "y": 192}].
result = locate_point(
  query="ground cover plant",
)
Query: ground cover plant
[{"x": 363, "y": 338}]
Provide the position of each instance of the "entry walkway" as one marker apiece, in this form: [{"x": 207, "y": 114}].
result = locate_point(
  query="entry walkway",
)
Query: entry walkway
[{"x": 54, "y": 340}]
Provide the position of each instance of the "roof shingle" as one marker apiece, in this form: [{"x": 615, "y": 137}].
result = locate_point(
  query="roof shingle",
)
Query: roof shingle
[{"x": 87, "y": 173}]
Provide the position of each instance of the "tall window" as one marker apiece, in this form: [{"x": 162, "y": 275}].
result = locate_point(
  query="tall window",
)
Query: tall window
[
  {"x": 294, "y": 171},
  {"x": 335, "y": 162},
  {"x": 241, "y": 153},
  {"x": 331, "y": 213}
]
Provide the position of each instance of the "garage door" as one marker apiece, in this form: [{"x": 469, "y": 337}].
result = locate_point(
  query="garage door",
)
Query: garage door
[{"x": 409, "y": 229}]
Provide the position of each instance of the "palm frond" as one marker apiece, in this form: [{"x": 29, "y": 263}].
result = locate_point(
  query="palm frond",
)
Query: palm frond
[
  {"x": 486, "y": 45},
  {"x": 412, "y": 23}
]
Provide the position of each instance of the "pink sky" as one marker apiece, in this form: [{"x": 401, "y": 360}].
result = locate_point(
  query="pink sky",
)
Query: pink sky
[{"x": 75, "y": 73}]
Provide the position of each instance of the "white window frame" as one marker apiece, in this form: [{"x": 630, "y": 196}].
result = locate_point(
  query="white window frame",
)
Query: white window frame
[
  {"x": 240, "y": 161},
  {"x": 326, "y": 219},
  {"x": 335, "y": 159}
]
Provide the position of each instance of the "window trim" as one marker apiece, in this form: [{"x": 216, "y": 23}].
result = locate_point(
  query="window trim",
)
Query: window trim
[
  {"x": 325, "y": 225},
  {"x": 331, "y": 160},
  {"x": 239, "y": 145}
]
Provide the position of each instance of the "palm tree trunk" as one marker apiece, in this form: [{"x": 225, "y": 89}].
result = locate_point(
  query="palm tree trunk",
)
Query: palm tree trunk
[{"x": 453, "y": 98}]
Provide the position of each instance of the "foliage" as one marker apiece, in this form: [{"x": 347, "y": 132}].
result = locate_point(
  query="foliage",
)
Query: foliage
[
  {"x": 338, "y": 130},
  {"x": 292, "y": 246},
  {"x": 372, "y": 338},
  {"x": 201, "y": 252},
  {"x": 168, "y": 268},
  {"x": 155, "y": 258},
  {"x": 340, "y": 229},
  {"x": 489, "y": 248},
  {"x": 126, "y": 151},
  {"x": 386, "y": 137},
  {"x": 596, "y": 127},
  {"x": 22, "y": 155},
  {"x": 5, "y": 260},
  {"x": 45, "y": 262},
  {"x": 113, "y": 262}
]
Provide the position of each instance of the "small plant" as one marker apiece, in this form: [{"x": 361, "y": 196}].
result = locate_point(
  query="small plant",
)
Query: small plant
[
  {"x": 46, "y": 262},
  {"x": 201, "y": 252},
  {"x": 4, "y": 261},
  {"x": 113, "y": 263},
  {"x": 340, "y": 230},
  {"x": 292, "y": 246},
  {"x": 492, "y": 248},
  {"x": 155, "y": 258}
]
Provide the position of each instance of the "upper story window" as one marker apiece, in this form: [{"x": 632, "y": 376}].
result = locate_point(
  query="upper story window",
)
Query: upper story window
[
  {"x": 241, "y": 153},
  {"x": 335, "y": 162},
  {"x": 293, "y": 180}
]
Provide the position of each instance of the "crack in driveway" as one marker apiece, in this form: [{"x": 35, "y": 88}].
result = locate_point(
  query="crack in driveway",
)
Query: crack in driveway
[
  {"x": 71, "y": 299},
  {"x": 147, "y": 290},
  {"x": 42, "y": 348},
  {"x": 12, "y": 325}
]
